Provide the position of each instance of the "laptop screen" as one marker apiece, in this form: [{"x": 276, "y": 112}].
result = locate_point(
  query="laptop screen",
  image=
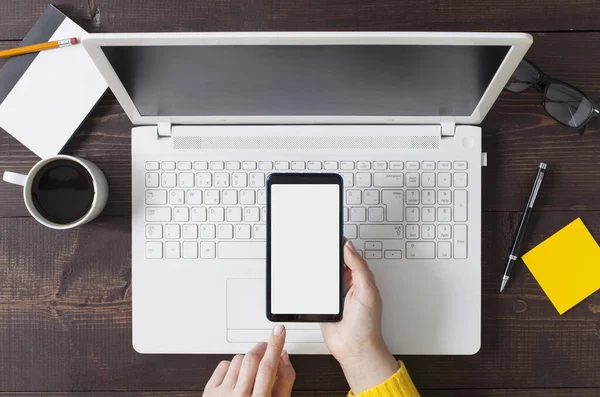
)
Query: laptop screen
[{"x": 306, "y": 80}]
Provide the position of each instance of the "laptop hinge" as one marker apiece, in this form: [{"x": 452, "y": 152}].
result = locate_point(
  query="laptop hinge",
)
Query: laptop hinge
[
  {"x": 164, "y": 129},
  {"x": 448, "y": 128}
]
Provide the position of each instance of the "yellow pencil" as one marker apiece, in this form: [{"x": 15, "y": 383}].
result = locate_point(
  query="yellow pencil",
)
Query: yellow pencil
[{"x": 38, "y": 47}]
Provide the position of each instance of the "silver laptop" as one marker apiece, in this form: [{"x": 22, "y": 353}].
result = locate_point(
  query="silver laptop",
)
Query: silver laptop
[{"x": 396, "y": 114}]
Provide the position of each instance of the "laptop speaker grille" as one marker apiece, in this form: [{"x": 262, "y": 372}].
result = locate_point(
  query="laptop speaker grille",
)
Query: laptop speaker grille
[{"x": 304, "y": 142}]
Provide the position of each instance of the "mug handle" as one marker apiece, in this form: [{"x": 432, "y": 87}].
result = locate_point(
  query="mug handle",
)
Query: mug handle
[{"x": 14, "y": 178}]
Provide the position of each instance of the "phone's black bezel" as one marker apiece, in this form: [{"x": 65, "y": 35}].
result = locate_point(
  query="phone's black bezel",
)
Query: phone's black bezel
[{"x": 304, "y": 179}]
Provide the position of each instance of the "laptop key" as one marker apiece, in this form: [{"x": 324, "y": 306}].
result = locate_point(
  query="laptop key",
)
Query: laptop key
[
  {"x": 233, "y": 165},
  {"x": 412, "y": 179},
  {"x": 420, "y": 250},
  {"x": 158, "y": 214},
  {"x": 154, "y": 231},
  {"x": 207, "y": 250},
  {"x": 460, "y": 205},
  {"x": 348, "y": 178},
  {"x": 460, "y": 179},
  {"x": 203, "y": 179},
  {"x": 168, "y": 165},
  {"x": 353, "y": 197},
  {"x": 444, "y": 179},
  {"x": 393, "y": 254},
  {"x": 172, "y": 250},
  {"x": 428, "y": 165},
  {"x": 460, "y": 241},
  {"x": 152, "y": 179},
  {"x": 168, "y": 179},
  {"x": 257, "y": 179},
  {"x": 347, "y": 165},
  {"x": 200, "y": 165},
  {"x": 154, "y": 250},
  {"x": 190, "y": 250},
  {"x": 194, "y": 197},
  {"x": 394, "y": 204},
  {"x": 242, "y": 250},
  {"x": 156, "y": 197},
  {"x": 207, "y": 231},
  {"x": 460, "y": 165},
  {"x": 388, "y": 179},
  {"x": 184, "y": 165},
  {"x": 381, "y": 232},
  {"x": 380, "y": 165},
  {"x": 217, "y": 165},
  {"x": 371, "y": 196},
  {"x": 260, "y": 232},
  {"x": 298, "y": 165},
  {"x": 444, "y": 165},
  {"x": 331, "y": 165},
  {"x": 350, "y": 231},
  {"x": 444, "y": 250},
  {"x": 265, "y": 165},
  {"x": 315, "y": 165},
  {"x": 152, "y": 165},
  {"x": 282, "y": 165},
  {"x": 249, "y": 165},
  {"x": 176, "y": 197},
  {"x": 396, "y": 165},
  {"x": 363, "y": 165},
  {"x": 242, "y": 231},
  {"x": 412, "y": 165},
  {"x": 372, "y": 254}
]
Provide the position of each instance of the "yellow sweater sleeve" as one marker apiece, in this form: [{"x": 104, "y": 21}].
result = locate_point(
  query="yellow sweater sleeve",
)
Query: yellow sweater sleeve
[{"x": 398, "y": 385}]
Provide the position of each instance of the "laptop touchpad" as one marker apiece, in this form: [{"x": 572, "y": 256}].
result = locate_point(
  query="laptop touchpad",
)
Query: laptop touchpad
[{"x": 247, "y": 319}]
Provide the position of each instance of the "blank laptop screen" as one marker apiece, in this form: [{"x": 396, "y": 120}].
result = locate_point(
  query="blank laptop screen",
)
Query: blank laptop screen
[{"x": 306, "y": 80}]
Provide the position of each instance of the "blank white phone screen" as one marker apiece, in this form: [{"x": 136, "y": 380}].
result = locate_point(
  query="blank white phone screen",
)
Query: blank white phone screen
[{"x": 305, "y": 244}]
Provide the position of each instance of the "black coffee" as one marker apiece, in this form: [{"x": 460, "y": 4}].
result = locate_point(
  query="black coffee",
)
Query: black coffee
[{"x": 63, "y": 191}]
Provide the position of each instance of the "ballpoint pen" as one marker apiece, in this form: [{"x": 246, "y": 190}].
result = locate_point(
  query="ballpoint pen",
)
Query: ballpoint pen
[{"x": 512, "y": 257}]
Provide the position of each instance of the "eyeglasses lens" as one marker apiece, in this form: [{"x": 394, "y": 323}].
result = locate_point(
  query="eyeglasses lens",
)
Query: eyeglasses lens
[
  {"x": 524, "y": 77},
  {"x": 567, "y": 105}
]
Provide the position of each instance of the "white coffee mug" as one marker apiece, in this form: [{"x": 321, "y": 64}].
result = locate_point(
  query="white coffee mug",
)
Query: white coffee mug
[{"x": 98, "y": 180}]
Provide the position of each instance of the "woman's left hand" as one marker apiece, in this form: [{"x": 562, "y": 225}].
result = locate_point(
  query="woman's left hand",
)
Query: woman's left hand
[{"x": 265, "y": 371}]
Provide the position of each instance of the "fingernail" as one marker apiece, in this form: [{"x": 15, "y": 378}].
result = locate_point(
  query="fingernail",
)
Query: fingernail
[
  {"x": 351, "y": 246},
  {"x": 278, "y": 330},
  {"x": 285, "y": 357}
]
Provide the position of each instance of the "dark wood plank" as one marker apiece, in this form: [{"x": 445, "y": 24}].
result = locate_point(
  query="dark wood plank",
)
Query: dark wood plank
[
  {"x": 65, "y": 320},
  {"x": 19, "y": 16},
  {"x": 517, "y": 135},
  {"x": 239, "y": 15}
]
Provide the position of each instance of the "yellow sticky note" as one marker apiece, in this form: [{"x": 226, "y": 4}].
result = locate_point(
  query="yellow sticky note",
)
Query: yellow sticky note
[{"x": 566, "y": 265}]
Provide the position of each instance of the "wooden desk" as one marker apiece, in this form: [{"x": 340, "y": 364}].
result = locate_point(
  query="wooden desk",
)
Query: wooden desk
[{"x": 65, "y": 297}]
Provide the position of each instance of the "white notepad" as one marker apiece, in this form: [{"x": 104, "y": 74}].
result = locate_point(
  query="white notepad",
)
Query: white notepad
[{"x": 45, "y": 97}]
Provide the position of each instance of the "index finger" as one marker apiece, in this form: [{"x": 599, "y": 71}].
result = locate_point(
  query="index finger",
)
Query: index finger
[{"x": 267, "y": 370}]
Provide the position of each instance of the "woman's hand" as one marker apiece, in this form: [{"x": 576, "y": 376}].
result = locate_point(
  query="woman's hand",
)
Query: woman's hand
[
  {"x": 265, "y": 371},
  {"x": 356, "y": 341}
]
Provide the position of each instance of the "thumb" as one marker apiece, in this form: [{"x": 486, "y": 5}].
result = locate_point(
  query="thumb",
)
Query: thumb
[
  {"x": 361, "y": 274},
  {"x": 352, "y": 259}
]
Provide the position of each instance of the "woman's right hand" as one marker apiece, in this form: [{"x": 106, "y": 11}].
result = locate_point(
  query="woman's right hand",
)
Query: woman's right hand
[{"x": 356, "y": 341}]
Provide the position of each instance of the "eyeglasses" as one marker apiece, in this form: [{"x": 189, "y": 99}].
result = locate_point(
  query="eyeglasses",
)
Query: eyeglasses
[{"x": 563, "y": 102}]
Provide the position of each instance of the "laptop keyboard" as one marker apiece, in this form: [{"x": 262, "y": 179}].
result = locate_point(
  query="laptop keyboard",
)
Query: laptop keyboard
[{"x": 393, "y": 209}]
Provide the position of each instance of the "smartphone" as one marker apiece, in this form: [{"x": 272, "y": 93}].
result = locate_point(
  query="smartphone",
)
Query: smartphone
[{"x": 304, "y": 247}]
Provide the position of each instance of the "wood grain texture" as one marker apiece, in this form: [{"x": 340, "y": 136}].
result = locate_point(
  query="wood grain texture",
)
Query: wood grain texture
[
  {"x": 65, "y": 320},
  {"x": 65, "y": 298},
  {"x": 517, "y": 135},
  {"x": 240, "y": 15}
]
